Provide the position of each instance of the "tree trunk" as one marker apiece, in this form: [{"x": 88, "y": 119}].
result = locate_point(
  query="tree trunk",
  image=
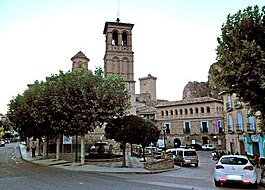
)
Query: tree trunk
[
  {"x": 44, "y": 155},
  {"x": 131, "y": 150},
  {"x": 144, "y": 153},
  {"x": 123, "y": 154},
  {"x": 47, "y": 147},
  {"x": 39, "y": 147},
  {"x": 76, "y": 148},
  {"x": 58, "y": 148},
  {"x": 82, "y": 150}
]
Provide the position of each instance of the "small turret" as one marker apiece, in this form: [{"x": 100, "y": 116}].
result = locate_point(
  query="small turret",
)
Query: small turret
[{"x": 80, "y": 61}]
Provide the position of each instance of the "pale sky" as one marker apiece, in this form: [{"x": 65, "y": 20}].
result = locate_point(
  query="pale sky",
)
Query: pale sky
[{"x": 173, "y": 40}]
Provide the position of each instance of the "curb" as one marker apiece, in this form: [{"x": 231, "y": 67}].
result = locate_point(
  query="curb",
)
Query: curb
[{"x": 64, "y": 165}]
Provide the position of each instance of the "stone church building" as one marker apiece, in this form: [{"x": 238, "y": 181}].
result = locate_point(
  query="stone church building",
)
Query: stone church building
[{"x": 197, "y": 118}]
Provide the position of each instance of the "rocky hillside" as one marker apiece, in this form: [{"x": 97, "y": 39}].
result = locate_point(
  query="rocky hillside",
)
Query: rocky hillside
[{"x": 198, "y": 89}]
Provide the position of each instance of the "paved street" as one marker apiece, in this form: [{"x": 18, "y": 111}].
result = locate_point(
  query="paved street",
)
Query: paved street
[
  {"x": 18, "y": 174},
  {"x": 189, "y": 177}
]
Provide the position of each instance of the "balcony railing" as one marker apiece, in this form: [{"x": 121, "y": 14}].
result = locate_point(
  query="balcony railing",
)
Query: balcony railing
[
  {"x": 220, "y": 130},
  {"x": 230, "y": 129},
  {"x": 251, "y": 127},
  {"x": 237, "y": 104},
  {"x": 186, "y": 130},
  {"x": 204, "y": 131},
  {"x": 239, "y": 128},
  {"x": 228, "y": 106}
]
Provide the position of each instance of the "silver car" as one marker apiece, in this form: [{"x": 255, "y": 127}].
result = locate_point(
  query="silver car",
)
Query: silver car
[
  {"x": 186, "y": 157},
  {"x": 235, "y": 169}
]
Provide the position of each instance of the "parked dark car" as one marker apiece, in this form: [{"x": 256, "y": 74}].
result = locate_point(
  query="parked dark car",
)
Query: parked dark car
[{"x": 195, "y": 146}]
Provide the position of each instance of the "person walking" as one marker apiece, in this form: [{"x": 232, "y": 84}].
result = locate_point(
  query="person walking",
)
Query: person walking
[
  {"x": 33, "y": 149},
  {"x": 256, "y": 160}
]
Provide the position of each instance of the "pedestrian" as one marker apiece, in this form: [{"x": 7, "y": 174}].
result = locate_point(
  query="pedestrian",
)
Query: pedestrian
[
  {"x": 33, "y": 149},
  {"x": 256, "y": 160}
]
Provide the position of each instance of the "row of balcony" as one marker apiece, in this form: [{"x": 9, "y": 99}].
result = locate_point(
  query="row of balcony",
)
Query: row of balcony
[
  {"x": 240, "y": 129},
  {"x": 187, "y": 131},
  {"x": 237, "y": 105}
]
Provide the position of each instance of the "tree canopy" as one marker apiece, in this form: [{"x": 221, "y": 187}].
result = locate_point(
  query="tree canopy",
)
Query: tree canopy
[
  {"x": 240, "y": 66},
  {"x": 70, "y": 103},
  {"x": 132, "y": 129}
]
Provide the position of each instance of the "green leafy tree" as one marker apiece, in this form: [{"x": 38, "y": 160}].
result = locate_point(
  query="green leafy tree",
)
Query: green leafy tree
[
  {"x": 240, "y": 66},
  {"x": 6, "y": 124},
  {"x": 122, "y": 129},
  {"x": 131, "y": 129},
  {"x": 117, "y": 129},
  {"x": 19, "y": 114},
  {"x": 149, "y": 133},
  {"x": 70, "y": 103}
]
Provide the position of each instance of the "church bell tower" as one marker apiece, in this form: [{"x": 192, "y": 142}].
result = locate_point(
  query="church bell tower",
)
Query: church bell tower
[{"x": 119, "y": 57}]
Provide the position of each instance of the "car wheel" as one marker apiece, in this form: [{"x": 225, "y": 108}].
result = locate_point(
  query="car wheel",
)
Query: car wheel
[
  {"x": 196, "y": 165},
  {"x": 217, "y": 183}
]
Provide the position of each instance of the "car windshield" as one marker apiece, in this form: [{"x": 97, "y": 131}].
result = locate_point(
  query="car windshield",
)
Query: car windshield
[
  {"x": 190, "y": 153},
  {"x": 234, "y": 161}
]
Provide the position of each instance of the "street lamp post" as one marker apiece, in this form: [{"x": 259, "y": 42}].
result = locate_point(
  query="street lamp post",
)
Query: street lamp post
[{"x": 164, "y": 129}]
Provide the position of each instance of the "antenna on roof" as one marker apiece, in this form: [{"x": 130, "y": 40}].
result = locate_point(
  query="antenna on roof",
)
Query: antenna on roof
[{"x": 118, "y": 20}]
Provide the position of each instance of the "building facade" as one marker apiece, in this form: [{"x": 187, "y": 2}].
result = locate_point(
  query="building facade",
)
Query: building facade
[
  {"x": 198, "y": 120},
  {"x": 242, "y": 133}
]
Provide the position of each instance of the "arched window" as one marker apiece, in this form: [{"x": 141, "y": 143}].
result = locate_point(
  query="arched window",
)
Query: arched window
[
  {"x": 180, "y": 112},
  {"x": 176, "y": 112},
  {"x": 208, "y": 109},
  {"x": 191, "y": 111},
  {"x": 196, "y": 110},
  {"x": 114, "y": 38},
  {"x": 124, "y": 39},
  {"x": 186, "y": 111},
  {"x": 162, "y": 113},
  {"x": 202, "y": 109},
  {"x": 171, "y": 112},
  {"x": 166, "y": 113}
]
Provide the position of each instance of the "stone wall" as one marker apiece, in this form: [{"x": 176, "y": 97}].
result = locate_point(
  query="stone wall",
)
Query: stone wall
[{"x": 159, "y": 165}]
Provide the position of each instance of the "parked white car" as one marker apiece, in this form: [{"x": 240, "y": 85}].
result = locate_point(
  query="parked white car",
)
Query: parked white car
[
  {"x": 173, "y": 151},
  {"x": 151, "y": 149},
  {"x": 208, "y": 147},
  {"x": 235, "y": 169},
  {"x": 2, "y": 143}
]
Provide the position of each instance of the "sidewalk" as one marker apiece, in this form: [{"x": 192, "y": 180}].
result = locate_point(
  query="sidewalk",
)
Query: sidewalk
[{"x": 135, "y": 166}]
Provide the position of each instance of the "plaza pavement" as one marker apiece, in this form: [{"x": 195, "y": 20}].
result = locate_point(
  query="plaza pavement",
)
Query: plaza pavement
[{"x": 135, "y": 166}]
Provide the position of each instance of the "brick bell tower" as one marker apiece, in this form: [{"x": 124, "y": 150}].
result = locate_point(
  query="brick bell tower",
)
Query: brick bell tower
[{"x": 119, "y": 57}]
